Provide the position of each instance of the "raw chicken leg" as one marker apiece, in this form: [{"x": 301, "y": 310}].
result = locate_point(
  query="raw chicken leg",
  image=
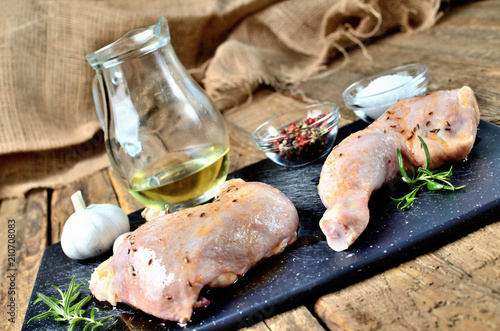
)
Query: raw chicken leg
[
  {"x": 366, "y": 160},
  {"x": 162, "y": 266}
]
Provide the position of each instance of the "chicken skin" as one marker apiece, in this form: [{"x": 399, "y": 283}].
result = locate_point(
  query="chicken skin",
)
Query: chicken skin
[
  {"x": 363, "y": 162},
  {"x": 162, "y": 266}
]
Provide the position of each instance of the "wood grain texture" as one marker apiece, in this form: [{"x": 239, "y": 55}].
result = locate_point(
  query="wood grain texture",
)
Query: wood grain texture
[
  {"x": 30, "y": 216},
  {"x": 261, "y": 326},
  {"x": 299, "y": 319},
  {"x": 265, "y": 105},
  {"x": 454, "y": 287}
]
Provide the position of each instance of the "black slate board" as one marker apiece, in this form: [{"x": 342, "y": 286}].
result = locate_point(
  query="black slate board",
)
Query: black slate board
[{"x": 309, "y": 268}]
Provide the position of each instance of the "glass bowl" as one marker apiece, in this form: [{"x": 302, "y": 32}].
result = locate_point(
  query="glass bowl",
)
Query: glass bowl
[
  {"x": 299, "y": 137},
  {"x": 371, "y": 96}
]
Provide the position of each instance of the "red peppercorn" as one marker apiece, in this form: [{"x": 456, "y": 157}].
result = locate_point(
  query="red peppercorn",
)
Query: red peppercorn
[{"x": 300, "y": 141}]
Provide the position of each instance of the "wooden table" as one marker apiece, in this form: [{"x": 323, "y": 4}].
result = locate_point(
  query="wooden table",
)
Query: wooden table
[{"x": 456, "y": 286}]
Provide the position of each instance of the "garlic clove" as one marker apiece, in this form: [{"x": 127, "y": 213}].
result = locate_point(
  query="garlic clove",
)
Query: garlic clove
[
  {"x": 150, "y": 214},
  {"x": 120, "y": 240},
  {"x": 91, "y": 231}
]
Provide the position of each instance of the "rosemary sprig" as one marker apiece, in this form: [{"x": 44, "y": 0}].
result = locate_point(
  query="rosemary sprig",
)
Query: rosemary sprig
[
  {"x": 423, "y": 178},
  {"x": 63, "y": 310}
]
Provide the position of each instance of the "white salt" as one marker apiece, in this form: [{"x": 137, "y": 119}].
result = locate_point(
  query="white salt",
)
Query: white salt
[
  {"x": 382, "y": 84},
  {"x": 372, "y": 105}
]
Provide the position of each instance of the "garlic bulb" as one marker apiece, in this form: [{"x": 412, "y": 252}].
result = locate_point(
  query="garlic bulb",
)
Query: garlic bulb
[{"x": 92, "y": 230}]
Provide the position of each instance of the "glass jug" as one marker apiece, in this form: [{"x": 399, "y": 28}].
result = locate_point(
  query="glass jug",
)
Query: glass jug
[{"x": 164, "y": 136}]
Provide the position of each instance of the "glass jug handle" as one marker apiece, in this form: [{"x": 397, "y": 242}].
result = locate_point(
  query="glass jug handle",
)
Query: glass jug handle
[{"x": 98, "y": 93}]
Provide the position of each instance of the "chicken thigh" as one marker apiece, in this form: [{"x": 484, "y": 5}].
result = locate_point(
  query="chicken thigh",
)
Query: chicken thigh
[
  {"x": 363, "y": 162},
  {"x": 162, "y": 266}
]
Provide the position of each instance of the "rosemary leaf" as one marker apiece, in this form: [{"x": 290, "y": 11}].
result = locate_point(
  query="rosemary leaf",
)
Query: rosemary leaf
[
  {"x": 423, "y": 178},
  {"x": 62, "y": 309}
]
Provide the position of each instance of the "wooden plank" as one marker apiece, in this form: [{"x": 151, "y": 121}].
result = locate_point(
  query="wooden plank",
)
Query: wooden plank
[
  {"x": 96, "y": 188},
  {"x": 261, "y": 326},
  {"x": 30, "y": 226},
  {"x": 481, "y": 13},
  {"x": 454, "y": 287},
  {"x": 265, "y": 105},
  {"x": 298, "y": 319},
  {"x": 243, "y": 151},
  {"x": 469, "y": 31}
]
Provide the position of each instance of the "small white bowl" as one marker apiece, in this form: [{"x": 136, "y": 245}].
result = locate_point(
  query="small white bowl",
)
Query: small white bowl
[
  {"x": 411, "y": 80},
  {"x": 281, "y": 143}
]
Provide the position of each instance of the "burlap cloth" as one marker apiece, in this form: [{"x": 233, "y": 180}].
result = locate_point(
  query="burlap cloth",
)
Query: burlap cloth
[{"x": 49, "y": 131}]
